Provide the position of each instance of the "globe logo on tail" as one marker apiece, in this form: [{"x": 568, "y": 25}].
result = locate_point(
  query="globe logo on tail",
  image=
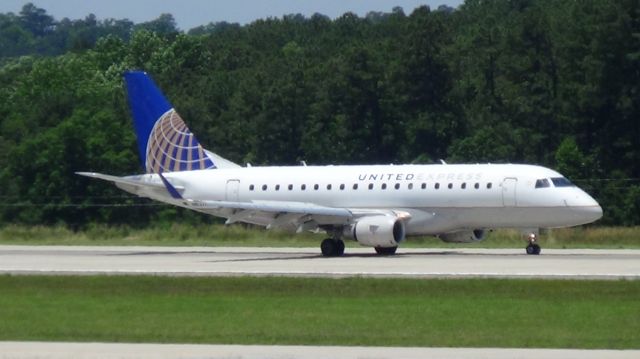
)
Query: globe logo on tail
[{"x": 172, "y": 147}]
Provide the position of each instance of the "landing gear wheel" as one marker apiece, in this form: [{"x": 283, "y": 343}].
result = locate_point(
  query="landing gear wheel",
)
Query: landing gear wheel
[
  {"x": 339, "y": 247},
  {"x": 332, "y": 247},
  {"x": 386, "y": 251},
  {"x": 536, "y": 249},
  {"x": 533, "y": 249},
  {"x": 328, "y": 247}
]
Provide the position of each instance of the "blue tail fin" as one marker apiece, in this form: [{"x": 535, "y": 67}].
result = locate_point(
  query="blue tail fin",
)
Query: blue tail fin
[{"x": 164, "y": 141}]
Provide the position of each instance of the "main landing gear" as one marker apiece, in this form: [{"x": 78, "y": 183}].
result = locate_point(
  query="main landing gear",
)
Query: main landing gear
[
  {"x": 332, "y": 247},
  {"x": 533, "y": 248},
  {"x": 386, "y": 251}
]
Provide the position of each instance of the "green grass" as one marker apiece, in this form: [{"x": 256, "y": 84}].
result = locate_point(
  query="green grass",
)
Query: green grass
[
  {"x": 236, "y": 235},
  {"x": 355, "y": 311},
  {"x": 162, "y": 235}
]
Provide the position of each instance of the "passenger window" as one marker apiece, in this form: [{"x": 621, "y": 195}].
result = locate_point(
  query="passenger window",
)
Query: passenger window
[
  {"x": 397, "y": 186},
  {"x": 355, "y": 186},
  {"x": 424, "y": 186},
  {"x": 290, "y": 187},
  {"x": 264, "y": 187},
  {"x": 384, "y": 186},
  {"x": 303, "y": 187},
  {"x": 477, "y": 185},
  {"x": 542, "y": 183},
  {"x": 437, "y": 185},
  {"x": 342, "y": 187},
  {"x": 316, "y": 186},
  {"x": 410, "y": 186},
  {"x": 329, "y": 187},
  {"x": 370, "y": 185},
  {"x": 464, "y": 185},
  {"x": 277, "y": 187},
  {"x": 450, "y": 185},
  {"x": 489, "y": 185},
  {"x": 251, "y": 187}
]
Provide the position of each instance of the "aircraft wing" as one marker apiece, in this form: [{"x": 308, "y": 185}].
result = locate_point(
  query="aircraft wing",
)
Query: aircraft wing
[{"x": 299, "y": 216}]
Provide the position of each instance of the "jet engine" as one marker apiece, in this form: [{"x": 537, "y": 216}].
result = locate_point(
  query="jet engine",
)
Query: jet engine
[
  {"x": 464, "y": 236},
  {"x": 378, "y": 231}
]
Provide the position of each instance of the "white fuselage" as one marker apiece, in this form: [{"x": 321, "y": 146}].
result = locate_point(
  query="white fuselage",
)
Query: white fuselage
[{"x": 439, "y": 198}]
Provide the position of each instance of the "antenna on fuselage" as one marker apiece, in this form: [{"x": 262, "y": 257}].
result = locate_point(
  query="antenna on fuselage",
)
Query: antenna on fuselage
[
  {"x": 303, "y": 163},
  {"x": 442, "y": 162}
]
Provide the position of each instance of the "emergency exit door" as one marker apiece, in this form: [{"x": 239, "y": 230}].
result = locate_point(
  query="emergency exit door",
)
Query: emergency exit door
[
  {"x": 233, "y": 189},
  {"x": 509, "y": 186}
]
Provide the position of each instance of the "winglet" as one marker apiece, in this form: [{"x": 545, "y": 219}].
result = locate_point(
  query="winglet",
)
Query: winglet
[{"x": 172, "y": 190}]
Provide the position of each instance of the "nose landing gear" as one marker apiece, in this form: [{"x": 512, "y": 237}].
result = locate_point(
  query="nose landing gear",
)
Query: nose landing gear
[{"x": 533, "y": 248}]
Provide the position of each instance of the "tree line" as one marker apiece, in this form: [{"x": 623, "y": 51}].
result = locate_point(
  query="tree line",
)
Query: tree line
[{"x": 548, "y": 82}]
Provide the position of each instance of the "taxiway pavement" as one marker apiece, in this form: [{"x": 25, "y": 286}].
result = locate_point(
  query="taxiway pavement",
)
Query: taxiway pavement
[{"x": 235, "y": 261}]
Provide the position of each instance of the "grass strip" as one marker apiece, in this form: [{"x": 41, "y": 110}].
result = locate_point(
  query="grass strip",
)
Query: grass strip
[
  {"x": 351, "y": 311},
  {"x": 219, "y": 235}
]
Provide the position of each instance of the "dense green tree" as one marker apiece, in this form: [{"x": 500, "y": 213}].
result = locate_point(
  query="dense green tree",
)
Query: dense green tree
[
  {"x": 535, "y": 81},
  {"x": 426, "y": 82},
  {"x": 36, "y": 20},
  {"x": 165, "y": 24}
]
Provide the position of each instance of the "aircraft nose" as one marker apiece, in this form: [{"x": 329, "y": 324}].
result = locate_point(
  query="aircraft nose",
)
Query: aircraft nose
[
  {"x": 585, "y": 207},
  {"x": 591, "y": 213}
]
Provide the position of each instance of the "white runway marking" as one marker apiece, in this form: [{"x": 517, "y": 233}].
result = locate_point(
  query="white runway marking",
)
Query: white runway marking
[
  {"x": 230, "y": 261},
  {"x": 32, "y": 350}
]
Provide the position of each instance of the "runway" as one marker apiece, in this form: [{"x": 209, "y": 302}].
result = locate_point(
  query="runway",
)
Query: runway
[
  {"x": 32, "y": 350},
  {"x": 236, "y": 261}
]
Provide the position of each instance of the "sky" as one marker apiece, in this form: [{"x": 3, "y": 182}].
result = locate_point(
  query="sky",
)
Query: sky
[{"x": 192, "y": 13}]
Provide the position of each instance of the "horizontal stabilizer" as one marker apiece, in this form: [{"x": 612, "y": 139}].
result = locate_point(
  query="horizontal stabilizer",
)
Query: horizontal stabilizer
[{"x": 142, "y": 185}]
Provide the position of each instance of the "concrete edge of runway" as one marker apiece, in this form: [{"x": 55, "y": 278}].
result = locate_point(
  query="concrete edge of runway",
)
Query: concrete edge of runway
[
  {"x": 334, "y": 275},
  {"x": 480, "y": 263},
  {"x": 54, "y": 350},
  {"x": 316, "y": 250}
]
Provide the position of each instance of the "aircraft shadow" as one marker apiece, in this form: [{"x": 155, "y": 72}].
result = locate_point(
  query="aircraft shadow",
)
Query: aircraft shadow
[
  {"x": 292, "y": 256},
  {"x": 288, "y": 256}
]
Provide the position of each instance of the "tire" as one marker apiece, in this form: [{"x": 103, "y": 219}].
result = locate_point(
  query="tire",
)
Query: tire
[
  {"x": 536, "y": 249},
  {"x": 386, "y": 251},
  {"x": 530, "y": 249},
  {"x": 329, "y": 247},
  {"x": 533, "y": 249},
  {"x": 339, "y": 247}
]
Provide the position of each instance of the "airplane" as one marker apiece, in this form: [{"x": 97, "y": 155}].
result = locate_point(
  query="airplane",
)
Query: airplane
[{"x": 377, "y": 206}]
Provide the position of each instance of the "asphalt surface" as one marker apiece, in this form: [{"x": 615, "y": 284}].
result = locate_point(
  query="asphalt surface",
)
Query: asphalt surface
[
  {"x": 40, "y": 350},
  {"x": 226, "y": 261},
  {"x": 219, "y": 261}
]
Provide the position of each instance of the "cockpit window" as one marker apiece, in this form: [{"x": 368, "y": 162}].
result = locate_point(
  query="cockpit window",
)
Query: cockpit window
[
  {"x": 561, "y": 182},
  {"x": 542, "y": 183}
]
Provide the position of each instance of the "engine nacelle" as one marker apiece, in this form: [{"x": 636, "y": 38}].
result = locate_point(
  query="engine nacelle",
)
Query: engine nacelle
[
  {"x": 464, "y": 236},
  {"x": 379, "y": 231}
]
